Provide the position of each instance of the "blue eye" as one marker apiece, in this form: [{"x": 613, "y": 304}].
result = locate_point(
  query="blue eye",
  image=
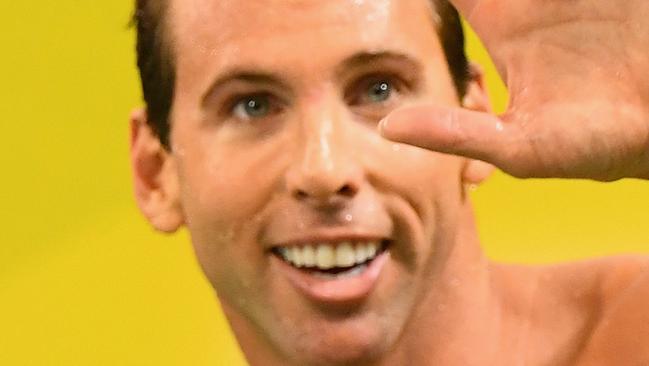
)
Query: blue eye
[
  {"x": 252, "y": 107},
  {"x": 379, "y": 91}
]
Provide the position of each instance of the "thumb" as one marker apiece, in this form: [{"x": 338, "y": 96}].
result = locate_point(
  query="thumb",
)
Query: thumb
[{"x": 456, "y": 131}]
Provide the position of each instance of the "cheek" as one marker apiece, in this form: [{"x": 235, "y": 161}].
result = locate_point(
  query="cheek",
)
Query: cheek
[
  {"x": 224, "y": 189},
  {"x": 430, "y": 182},
  {"x": 215, "y": 201},
  {"x": 214, "y": 198},
  {"x": 423, "y": 175},
  {"x": 221, "y": 204},
  {"x": 439, "y": 186},
  {"x": 223, "y": 184}
]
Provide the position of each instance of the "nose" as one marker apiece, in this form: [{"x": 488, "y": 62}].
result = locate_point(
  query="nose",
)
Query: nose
[{"x": 325, "y": 171}]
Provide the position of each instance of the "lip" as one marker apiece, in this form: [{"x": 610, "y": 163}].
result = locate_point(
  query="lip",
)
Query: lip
[{"x": 334, "y": 291}]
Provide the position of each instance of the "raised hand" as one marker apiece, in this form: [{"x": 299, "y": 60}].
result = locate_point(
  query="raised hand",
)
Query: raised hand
[{"x": 578, "y": 76}]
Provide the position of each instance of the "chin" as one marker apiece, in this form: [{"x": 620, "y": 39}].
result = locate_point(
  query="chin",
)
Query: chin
[{"x": 341, "y": 342}]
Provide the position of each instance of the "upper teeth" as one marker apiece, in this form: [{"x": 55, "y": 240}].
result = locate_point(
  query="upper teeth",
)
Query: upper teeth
[{"x": 326, "y": 256}]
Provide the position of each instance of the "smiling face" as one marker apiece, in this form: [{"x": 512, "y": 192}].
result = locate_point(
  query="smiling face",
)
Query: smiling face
[{"x": 319, "y": 236}]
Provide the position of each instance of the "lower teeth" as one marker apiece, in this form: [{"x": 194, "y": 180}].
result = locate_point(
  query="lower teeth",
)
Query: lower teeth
[{"x": 354, "y": 271}]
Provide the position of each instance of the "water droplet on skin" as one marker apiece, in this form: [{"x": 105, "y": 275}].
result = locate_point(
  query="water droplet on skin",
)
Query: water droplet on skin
[
  {"x": 246, "y": 284},
  {"x": 226, "y": 235},
  {"x": 470, "y": 187},
  {"x": 242, "y": 301},
  {"x": 396, "y": 147},
  {"x": 349, "y": 218}
]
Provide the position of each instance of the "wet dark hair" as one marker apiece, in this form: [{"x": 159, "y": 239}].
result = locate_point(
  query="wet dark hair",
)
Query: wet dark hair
[{"x": 157, "y": 72}]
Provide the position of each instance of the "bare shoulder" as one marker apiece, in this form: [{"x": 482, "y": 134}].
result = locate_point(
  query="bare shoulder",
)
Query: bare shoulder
[
  {"x": 598, "y": 282},
  {"x": 621, "y": 332},
  {"x": 609, "y": 278},
  {"x": 588, "y": 313},
  {"x": 623, "y": 275}
]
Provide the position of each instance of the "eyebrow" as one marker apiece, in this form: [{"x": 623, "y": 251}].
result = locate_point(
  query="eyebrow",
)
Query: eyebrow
[
  {"x": 363, "y": 59},
  {"x": 358, "y": 60}
]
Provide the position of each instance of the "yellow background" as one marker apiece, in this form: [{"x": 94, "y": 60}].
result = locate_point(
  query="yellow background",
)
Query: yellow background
[{"x": 85, "y": 281}]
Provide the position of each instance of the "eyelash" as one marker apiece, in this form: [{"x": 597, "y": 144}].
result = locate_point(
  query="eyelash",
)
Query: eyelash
[
  {"x": 352, "y": 95},
  {"x": 362, "y": 84},
  {"x": 234, "y": 101}
]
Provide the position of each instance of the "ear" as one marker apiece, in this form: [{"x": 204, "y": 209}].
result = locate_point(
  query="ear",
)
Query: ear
[
  {"x": 475, "y": 98},
  {"x": 155, "y": 177}
]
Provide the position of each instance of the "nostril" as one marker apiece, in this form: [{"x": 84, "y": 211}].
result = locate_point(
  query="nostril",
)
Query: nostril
[
  {"x": 300, "y": 194},
  {"x": 346, "y": 190}
]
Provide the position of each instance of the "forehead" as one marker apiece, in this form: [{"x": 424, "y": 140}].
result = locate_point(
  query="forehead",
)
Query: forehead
[
  {"x": 233, "y": 30},
  {"x": 224, "y": 20}
]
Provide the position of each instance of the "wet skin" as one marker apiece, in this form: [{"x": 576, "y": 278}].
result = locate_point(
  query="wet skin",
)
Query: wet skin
[{"x": 274, "y": 142}]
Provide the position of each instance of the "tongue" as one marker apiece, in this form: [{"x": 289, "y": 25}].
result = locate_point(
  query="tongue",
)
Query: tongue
[{"x": 332, "y": 271}]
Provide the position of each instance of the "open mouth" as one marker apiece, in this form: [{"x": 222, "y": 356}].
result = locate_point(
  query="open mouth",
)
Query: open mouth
[{"x": 332, "y": 260}]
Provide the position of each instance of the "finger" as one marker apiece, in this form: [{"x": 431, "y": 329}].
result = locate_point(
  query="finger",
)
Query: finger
[{"x": 455, "y": 131}]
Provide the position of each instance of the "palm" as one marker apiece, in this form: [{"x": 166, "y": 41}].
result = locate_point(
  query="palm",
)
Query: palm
[{"x": 578, "y": 76}]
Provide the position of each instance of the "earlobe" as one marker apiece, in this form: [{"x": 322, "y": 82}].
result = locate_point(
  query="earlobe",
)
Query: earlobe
[
  {"x": 155, "y": 176},
  {"x": 475, "y": 97},
  {"x": 475, "y": 172}
]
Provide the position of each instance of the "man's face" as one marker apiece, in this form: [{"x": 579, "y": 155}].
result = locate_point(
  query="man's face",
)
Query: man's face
[{"x": 277, "y": 154}]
